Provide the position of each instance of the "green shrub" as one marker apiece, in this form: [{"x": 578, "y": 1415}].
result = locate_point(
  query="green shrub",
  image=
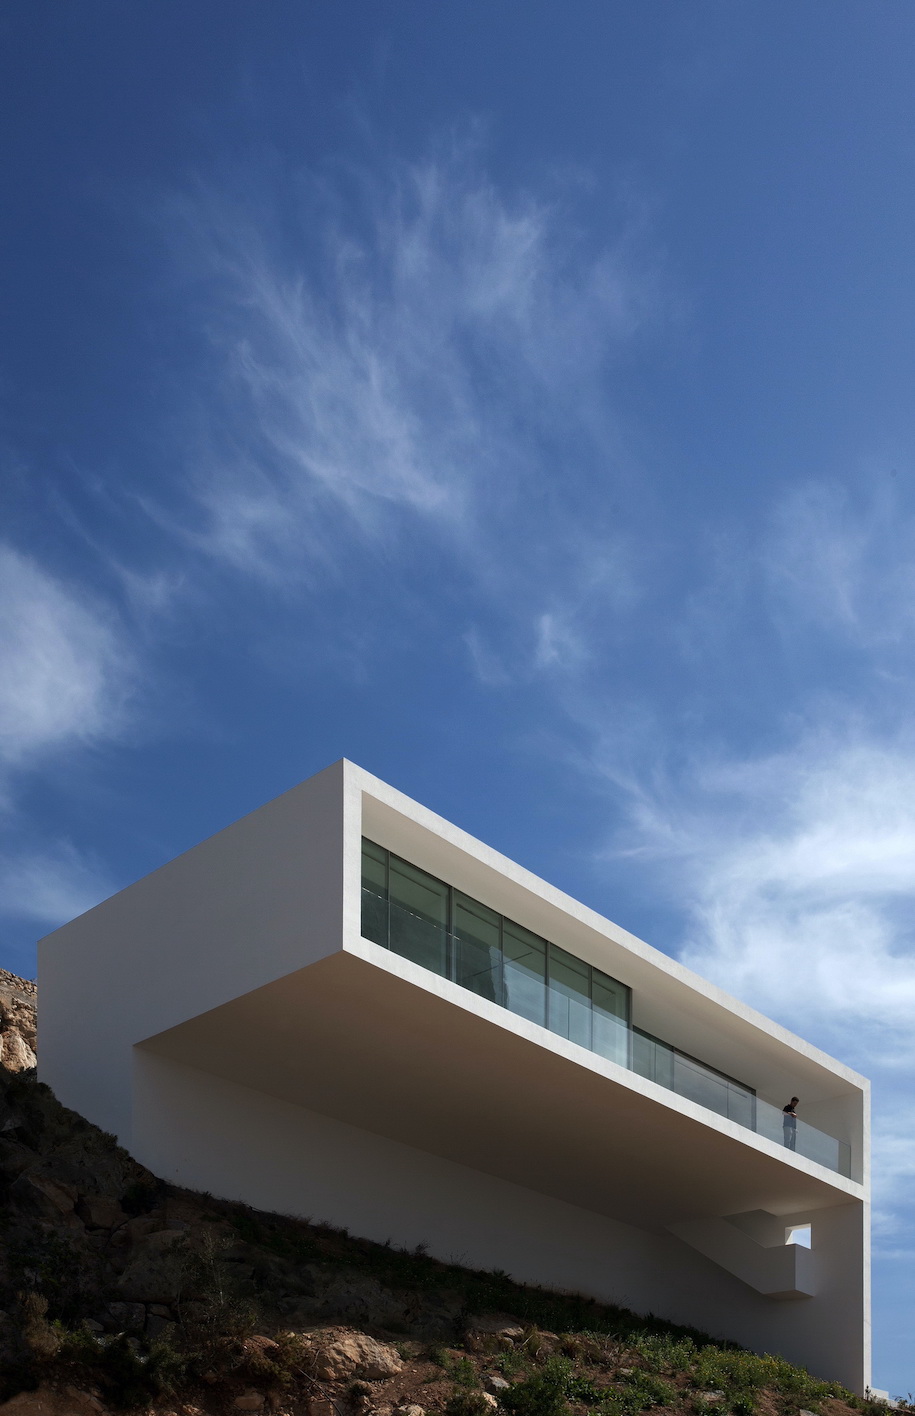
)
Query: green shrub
[
  {"x": 662, "y": 1352},
  {"x": 221, "y": 1311},
  {"x": 582, "y": 1388},
  {"x": 543, "y": 1394},
  {"x": 467, "y": 1403},
  {"x": 45, "y": 1261},
  {"x": 511, "y": 1362},
  {"x": 126, "y": 1375},
  {"x": 642, "y": 1390},
  {"x": 461, "y": 1371}
]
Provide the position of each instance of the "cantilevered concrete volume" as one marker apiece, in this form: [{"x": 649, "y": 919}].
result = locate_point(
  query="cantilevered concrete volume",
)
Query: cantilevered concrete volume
[{"x": 344, "y": 1007}]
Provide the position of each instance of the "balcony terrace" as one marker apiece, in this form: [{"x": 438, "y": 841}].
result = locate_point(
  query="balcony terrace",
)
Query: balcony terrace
[{"x": 430, "y": 923}]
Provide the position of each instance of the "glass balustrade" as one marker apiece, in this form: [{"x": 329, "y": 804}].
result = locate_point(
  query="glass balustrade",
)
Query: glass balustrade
[
  {"x": 772, "y": 1122},
  {"x": 433, "y": 924}
]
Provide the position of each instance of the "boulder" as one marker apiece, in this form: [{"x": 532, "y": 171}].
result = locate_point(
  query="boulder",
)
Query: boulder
[
  {"x": 100, "y": 1212},
  {"x": 47, "y": 1198},
  {"x": 492, "y": 1330},
  {"x": 15, "y": 1053},
  {"x": 156, "y": 1270},
  {"x": 88, "y": 1161},
  {"x": 249, "y": 1401},
  {"x": 258, "y": 1346},
  {"x": 15, "y": 1157},
  {"x": 355, "y": 1299},
  {"x": 49, "y": 1401},
  {"x": 138, "y": 1228},
  {"x": 354, "y": 1354},
  {"x": 495, "y": 1325},
  {"x": 160, "y": 1329},
  {"x": 126, "y": 1317}
]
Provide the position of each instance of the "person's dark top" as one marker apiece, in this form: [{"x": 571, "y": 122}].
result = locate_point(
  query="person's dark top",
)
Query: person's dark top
[{"x": 790, "y": 1114}]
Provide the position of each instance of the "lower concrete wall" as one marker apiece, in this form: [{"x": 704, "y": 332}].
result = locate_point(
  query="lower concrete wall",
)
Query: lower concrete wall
[{"x": 207, "y": 1133}]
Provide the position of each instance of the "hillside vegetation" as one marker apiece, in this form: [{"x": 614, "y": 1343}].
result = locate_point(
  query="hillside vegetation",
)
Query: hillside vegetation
[{"x": 118, "y": 1291}]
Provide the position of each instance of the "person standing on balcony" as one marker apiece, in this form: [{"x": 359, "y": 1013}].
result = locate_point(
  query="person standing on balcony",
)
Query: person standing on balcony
[{"x": 789, "y": 1123}]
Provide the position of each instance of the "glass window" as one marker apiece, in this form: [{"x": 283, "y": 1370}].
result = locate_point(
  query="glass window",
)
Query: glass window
[
  {"x": 524, "y": 961},
  {"x": 477, "y": 948},
  {"x": 374, "y": 893},
  {"x": 609, "y": 1018},
  {"x": 652, "y": 1058},
  {"x": 741, "y": 1105},
  {"x": 427, "y": 921},
  {"x": 643, "y": 1054},
  {"x": 419, "y": 915},
  {"x": 700, "y": 1084},
  {"x": 663, "y": 1064},
  {"x": 570, "y": 997}
]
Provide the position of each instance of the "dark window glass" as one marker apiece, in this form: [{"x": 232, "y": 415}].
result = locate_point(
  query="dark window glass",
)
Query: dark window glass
[
  {"x": 643, "y": 1055},
  {"x": 477, "y": 948},
  {"x": 524, "y": 957},
  {"x": 664, "y": 1065},
  {"x": 653, "y": 1059},
  {"x": 741, "y": 1106},
  {"x": 374, "y": 867},
  {"x": 700, "y": 1084},
  {"x": 374, "y": 893},
  {"x": 609, "y": 1018},
  {"x": 419, "y": 915},
  {"x": 570, "y": 997}
]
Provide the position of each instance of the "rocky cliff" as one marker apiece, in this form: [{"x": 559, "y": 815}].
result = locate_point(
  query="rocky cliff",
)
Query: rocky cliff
[{"x": 18, "y": 1022}]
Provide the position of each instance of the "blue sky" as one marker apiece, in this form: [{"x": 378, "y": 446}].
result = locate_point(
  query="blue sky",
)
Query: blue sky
[{"x": 516, "y": 399}]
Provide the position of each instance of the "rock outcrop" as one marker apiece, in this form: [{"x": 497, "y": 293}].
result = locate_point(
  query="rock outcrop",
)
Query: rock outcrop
[
  {"x": 18, "y": 1022},
  {"x": 338, "y": 1354}
]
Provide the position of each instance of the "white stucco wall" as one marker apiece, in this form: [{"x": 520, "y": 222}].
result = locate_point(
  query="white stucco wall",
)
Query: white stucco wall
[
  {"x": 253, "y": 903},
  {"x": 208, "y": 1133}
]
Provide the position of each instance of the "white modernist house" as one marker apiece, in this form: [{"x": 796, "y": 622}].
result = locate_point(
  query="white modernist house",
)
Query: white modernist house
[{"x": 344, "y": 1007}]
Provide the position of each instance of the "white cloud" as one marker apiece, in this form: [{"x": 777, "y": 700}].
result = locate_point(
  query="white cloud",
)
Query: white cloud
[
  {"x": 413, "y": 382},
  {"x": 795, "y": 875},
  {"x": 894, "y": 1174},
  {"x": 63, "y": 669},
  {"x": 844, "y": 563},
  {"x": 797, "y": 872}
]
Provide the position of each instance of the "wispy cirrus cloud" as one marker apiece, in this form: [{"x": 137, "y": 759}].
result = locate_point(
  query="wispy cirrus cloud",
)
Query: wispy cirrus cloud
[
  {"x": 799, "y": 866},
  {"x": 66, "y": 679},
  {"x": 794, "y": 878},
  {"x": 66, "y": 673},
  {"x": 438, "y": 371},
  {"x": 403, "y": 368},
  {"x": 843, "y": 563},
  {"x": 791, "y": 867}
]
